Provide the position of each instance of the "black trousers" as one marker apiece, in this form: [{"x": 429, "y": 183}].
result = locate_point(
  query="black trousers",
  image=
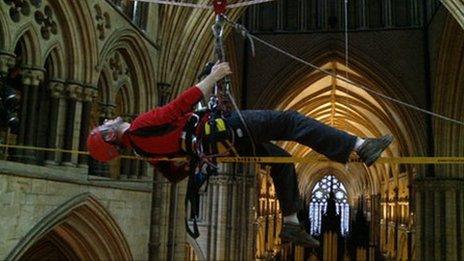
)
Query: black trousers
[{"x": 269, "y": 125}]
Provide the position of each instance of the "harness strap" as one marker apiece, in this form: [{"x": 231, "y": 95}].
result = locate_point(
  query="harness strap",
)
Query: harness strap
[{"x": 193, "y": 197}]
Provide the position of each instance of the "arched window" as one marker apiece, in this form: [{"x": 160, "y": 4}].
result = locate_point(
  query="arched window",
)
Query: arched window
[{"x": 318, "y": 204}]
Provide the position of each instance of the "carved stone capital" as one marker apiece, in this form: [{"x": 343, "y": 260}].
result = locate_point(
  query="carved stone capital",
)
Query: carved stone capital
[
  {"x": 90, "y": 94},
  {"x": 74, "y": 91},
  {"x": 7, "y": 60},
  {"x": 107, "y": 110},
  {"x": 56, "y": 89},
  {"x": 32, "y": 77}
]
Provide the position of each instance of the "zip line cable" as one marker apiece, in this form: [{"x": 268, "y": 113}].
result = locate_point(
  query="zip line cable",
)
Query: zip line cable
[
  {"x": 203, "y": 6},
  {"x": 244, "y": 31}
]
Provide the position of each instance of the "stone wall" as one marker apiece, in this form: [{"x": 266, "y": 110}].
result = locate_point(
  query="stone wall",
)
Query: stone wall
[{"x": 25, "y": 200}]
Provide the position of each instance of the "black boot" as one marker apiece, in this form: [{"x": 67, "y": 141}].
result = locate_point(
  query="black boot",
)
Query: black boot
[
  {"x": 296, "y": 234},
  {"x": 371, "y": 149}
]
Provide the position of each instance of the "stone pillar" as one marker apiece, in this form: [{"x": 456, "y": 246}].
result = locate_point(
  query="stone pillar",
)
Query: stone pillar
[
  {"x": 159, "y": 218},
  {"x": 179, "y": 239},
  {"x": 31, "y": 79},
  {"x": 227, "y": 216},
  {"x": 440, "y": 219},
  {"x": 90, "y": 95},
  {"x": 74, "y": 93},
  {"x": 363, "y": 14},
  {"x": 57, "y": 121},
  {"x": 388, "y": 13},
  {"x": 280, "y": 15},
  {"x": 396, "y": 220},
  {"x": 7, "y": 60}
]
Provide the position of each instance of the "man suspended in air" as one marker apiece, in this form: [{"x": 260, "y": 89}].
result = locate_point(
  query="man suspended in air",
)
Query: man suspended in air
[{"x": 161, "y": 132}]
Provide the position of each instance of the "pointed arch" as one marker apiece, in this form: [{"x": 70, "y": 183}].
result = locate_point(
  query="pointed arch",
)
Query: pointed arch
[
  {"x": 124, "y": 93},
  {"x": 29, "y": 36},
  {"x": 448, "y": 95},
  {"x": 133, "y": 50},
  {"x": 56, "y": 65},
  {"x": 347, "y": 107},
  {"x": 456, "y": 8},
  {"x": 5, "y": 33},
  {"x": 105, "y": 87},
  {"x": 84, "y": 226},
  {"x": 77, "y": 27}
]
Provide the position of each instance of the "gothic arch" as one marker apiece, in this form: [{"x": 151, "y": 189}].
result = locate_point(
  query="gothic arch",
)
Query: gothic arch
[
  {"x": 295, "y": 78},
  {"x": 32, "y": 45},
  {"x": 5, "y": 33},
  {"x": 124, "y": 90},
  {"x": 129, "y": 45},
  {"x": 449, "y": 94},
  {"x": 363, "y": 115},
  {"x": 56, "y": 64},
  {"x": 110, "y": 88},
  {"x": 456, "y": 8},
  {"x": 84, "y": 226},
  {"x": 104, "y": 86},
  {"x": 75, "y": 20}
]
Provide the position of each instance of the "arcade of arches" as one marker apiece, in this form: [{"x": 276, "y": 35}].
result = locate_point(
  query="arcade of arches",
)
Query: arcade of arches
[{"x": 75, "y": 63}]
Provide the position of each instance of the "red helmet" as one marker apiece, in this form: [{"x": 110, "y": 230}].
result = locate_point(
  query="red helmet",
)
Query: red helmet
[{"x": 98, "y": 148}]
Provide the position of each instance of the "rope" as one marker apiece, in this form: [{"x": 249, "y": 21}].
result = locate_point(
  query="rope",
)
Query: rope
[
  {"x": 165, "y": 2},
  {"x": 248, "y": 3},
  {"x": 243, "y": 30},
  {"x": 6, "y": 146},
  {"x": 203, "y": 6},
  {"x": 346, "y": 36},
  {"x": 307, "y": 159}
]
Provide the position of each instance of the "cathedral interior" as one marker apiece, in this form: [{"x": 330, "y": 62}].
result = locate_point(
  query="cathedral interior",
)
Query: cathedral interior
[{"x": 73, "y": 64}]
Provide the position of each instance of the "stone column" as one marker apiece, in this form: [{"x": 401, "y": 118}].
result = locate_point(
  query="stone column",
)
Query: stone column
[
  {"x": 388, "y": 12},
  {"x": 74, "y": 93},
  {"x": 159, "y": 217},
  {"x": 90, "y": 95},
  {"x": 7, "y": 60},
  {"x": 31, "y": 79},
  {"x": 303, "y": 15},
  {"x": 280, "y": 15},
  {"x": 396, "y": 220},
  {"x": 57, "y": 121},
  {"x": 179, "y": 239},
  {"x": 439, "y": 219},
  {"x": 250, "y": 210}
]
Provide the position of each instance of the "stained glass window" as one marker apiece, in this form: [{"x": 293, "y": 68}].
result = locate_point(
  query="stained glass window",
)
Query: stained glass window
[{"x": 318, "y": 204}]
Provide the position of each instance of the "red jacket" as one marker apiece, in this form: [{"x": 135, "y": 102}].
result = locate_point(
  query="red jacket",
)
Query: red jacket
[{"x": 175, "y": 115}]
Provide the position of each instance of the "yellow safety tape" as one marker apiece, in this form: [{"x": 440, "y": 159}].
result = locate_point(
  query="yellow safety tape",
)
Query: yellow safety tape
[
  {"x": 394, "y": 160},
  {"x": 397, "y": 160}
]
